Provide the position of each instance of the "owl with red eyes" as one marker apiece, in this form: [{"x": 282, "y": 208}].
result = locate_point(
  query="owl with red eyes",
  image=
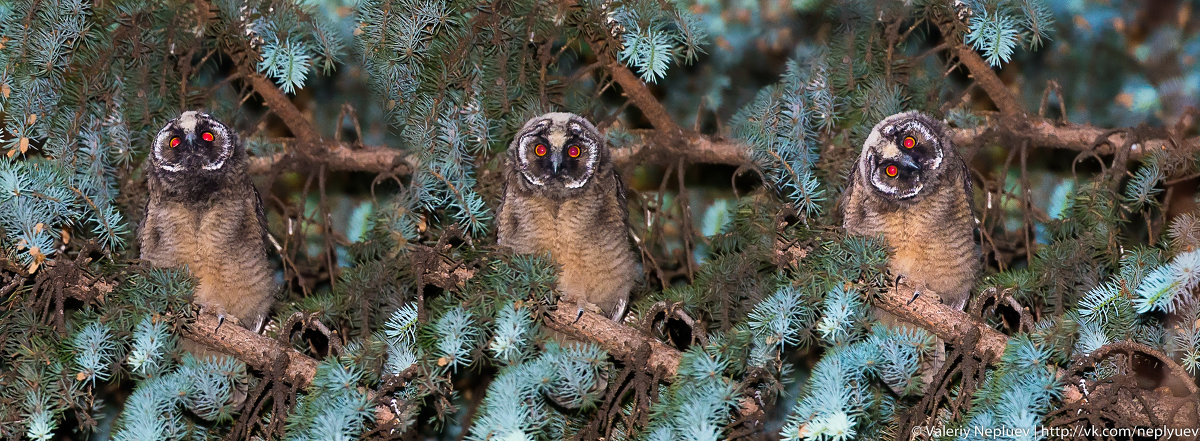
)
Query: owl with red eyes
[
  {"x": 205, "y": 215},
  {"x": 911, "y": 187},
  {"x": 563, "y": 197}
]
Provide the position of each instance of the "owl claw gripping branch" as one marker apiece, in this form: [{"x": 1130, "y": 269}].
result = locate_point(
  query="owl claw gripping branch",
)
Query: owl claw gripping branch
[{"x": 205, "y": 214}]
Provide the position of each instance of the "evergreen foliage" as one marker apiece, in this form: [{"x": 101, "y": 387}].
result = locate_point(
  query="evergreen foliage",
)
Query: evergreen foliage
[{"x": 420, "y": 326}]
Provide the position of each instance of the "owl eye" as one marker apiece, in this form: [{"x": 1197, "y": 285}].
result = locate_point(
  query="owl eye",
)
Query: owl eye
[
  {"x": 910, "y": 142},
  {"x": 540, "y": 150},
  {"x": 573, "y": 151},
  {"x": 207, "y": 136},
  {"x": 174, "y": 142},
  {"x": 892, "y": 170}
]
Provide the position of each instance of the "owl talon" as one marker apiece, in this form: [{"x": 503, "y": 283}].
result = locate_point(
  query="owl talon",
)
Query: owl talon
[
  {"x": 620, "y": 311},
  {"x": 916, "y": 293},
  {"x": 578, "y": 315},
  {"x": 220, "y": 321}
]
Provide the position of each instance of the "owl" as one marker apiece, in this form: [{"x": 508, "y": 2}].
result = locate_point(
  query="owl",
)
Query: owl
[
  {"x": 562, "y": 196},
  {"x": 205, "y": 214},
  {"x": 910, "y": 186}
]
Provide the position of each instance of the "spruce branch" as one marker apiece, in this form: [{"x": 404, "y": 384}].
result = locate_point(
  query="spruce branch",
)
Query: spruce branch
[
  {"x": 619, "y": 340},
  {"x": 277, "y": 101},
  {"x": 926, "y": 311},
  {"x": 640, "y": 95},
  {"x": 651, "y": 147},
  {"x": 260, "y": 352},
  {"x": 980, "y": 70},
  {"x": 624, "y": 343},
  {"x": 923, "y": 308},
  {"x": 335, "y": 156},
  {"x": 1042, "y": 132},
  {"x": 254, "y": 349}
]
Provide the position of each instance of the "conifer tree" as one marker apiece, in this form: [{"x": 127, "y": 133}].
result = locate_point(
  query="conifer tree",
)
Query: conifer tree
[{"x": 377, "y": 131}]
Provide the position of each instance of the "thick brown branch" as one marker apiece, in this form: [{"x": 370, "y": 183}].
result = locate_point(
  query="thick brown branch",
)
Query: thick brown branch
[
  {"x": 259, "y": 352},
  {"x": 623, "y": 343},
  {"x": 280, "y": 104},
  {"x": 980, "y": 71},
  {"x": 335, "y": 157},
  {"x": 620, "y": 341},
  {"x": 987, "y": 79},
  {"x": 640, "y": 95},
  {"x": 693, "y": 147},
  {"x": 647, "y": 149},
  {"x": 650, "y": 147},
  {"x": 1041, "y": 132},
  {"x": 255, "y": 350},
  {"x": 928, "y": 312}
]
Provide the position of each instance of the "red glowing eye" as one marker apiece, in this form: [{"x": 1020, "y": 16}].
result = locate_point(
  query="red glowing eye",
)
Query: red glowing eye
[
  {"x": 174, "y": 142},
  {"x": 540, "y": 150},
  {"x": 207, "y": 136},
  {"x": 892, "y": 170},
  {"x": 910, "y": 142},
  {"x": 573, "y": 151}
]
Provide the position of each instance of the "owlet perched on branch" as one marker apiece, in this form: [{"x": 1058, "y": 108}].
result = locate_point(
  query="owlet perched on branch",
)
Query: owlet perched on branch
[
  {"x": 563, "y": 196},
  {"x": 205, "y": 214},
  {"x": 912, "y": 187}
]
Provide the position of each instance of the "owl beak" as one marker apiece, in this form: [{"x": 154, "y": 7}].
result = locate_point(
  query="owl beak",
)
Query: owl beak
[
  {"x": 908, "y": 163},
  {"x": 555, "y": 162},
  {"x": 190, "y": 137}
]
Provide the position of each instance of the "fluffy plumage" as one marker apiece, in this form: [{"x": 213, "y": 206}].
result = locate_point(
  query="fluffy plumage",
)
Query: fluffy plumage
[
  {"x": 205, "y": 214},
  {"x": 562, "y": 196},
  {"x": 910, "y": 186}
]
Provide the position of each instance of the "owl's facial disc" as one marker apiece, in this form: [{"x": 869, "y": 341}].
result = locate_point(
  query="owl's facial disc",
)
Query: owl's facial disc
[
  {"x": 557, "y": 155},
  {"x": 194, "y": 141},
  {"x": 902, "y": 157}
]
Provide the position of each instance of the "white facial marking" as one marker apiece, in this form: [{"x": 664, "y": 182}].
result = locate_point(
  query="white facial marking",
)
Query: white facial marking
[
  {"x": 593, "y": 153},
  {"x": 522, "y": 151},
  {"x": 937, "y": 146},
  {"x": 159, "y": 142},
  {"x": 188, "y": 121},
  {"x": 226, "y": 147},
  {"x": 890, "y": 151},
  {"x": 557, "y": 138}
]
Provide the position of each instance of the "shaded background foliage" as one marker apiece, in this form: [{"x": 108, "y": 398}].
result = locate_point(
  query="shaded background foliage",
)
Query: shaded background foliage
[{"x": 377, "y": 130}]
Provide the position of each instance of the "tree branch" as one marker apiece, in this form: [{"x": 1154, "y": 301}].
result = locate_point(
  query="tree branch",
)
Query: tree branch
[
  {"x": 255, "y": 350},
  {"x": 335, "y": 156},
  {"x": 619, "y": 340},
  {"x": 987, "y": 79},
  {"x": 980, "y": 70},
  {"x": 1041, "y": 132},
  {"x": 928, "y": 312},
  {"x": 279, "y": 103},
  {"x": 640, "y": 95},
  {"x": 651, "y": 147}
]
